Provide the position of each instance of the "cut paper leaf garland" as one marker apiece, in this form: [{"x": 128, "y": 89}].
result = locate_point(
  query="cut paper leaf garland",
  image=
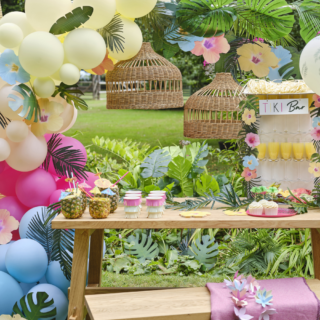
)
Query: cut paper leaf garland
[{"x": 7, "y": 225}]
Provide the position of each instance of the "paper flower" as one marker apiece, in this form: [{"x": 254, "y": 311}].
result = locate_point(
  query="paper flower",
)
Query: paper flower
[
  {"x": 314, "y": 168},
  {"x": 248, "y": 174},
  {"x": 238, "y": 298},
  {"x": 211, "y": 48},
  {"x": 188, "y": 42},
  {"x": 241, "y": 314},
  {"x": 316, "y": 100},
  {"x": 249, "y": 116},
  {"x": 252, "y": 140},
  {"x": 105, "y": 65},
  {"x": 252, "y": 285},
  {"x": 316, "y": 122},
  {"x": 265, "y": 315},
  {"x": 250, "y": 162},
  {"x": 257, "y": 57},
  {"x": 258, "y": 39},
  {"x": 315, "y": 133},
  {"x": 10, "y": 68},
  {"x": 7, "y": 225},
  {"x": 264, "y": 297},
  {"x": 273, "y": 190},
  {"x": 285, "y": 57}
]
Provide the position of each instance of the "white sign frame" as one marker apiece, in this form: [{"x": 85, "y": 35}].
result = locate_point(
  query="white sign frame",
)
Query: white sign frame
[{"x": 272, "y": 107}]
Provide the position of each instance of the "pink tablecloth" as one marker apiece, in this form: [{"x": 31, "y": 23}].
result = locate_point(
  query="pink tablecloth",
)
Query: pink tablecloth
[{"x": 292, "y": 299}]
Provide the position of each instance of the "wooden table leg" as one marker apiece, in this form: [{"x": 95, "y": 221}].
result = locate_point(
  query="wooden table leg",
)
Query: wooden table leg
[
  {"x": 96, "y": 256},
  {"x": 79, "y": 274},
  {"x": 315, "y": 238}
]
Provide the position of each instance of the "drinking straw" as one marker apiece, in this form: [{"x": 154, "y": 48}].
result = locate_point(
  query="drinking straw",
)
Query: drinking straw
[
  {"x": 69, "y": 181},
  {"x": 119, "y": 180},
  {"x": 85, "y": 192},
  {"x": 74, "y": 185}
]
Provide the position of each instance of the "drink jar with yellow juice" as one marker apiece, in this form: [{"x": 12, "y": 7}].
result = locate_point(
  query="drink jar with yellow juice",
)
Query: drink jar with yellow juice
[
  {"x": 310, "y": 149},
  {"x": 298, "y": 150},
  {"x": 262, "y": 149},
  {"x": 273, "y": 150},
  {"x": 286, "y": 149}
]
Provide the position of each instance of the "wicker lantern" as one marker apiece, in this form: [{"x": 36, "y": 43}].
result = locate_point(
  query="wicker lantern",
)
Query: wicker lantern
[
  {"x": 147, "y": 81},
  {"x": 212, "y": 112}
]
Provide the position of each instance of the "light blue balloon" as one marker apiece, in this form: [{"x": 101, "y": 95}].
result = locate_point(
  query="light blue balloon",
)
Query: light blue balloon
[
  {"x": 3, "y": 251},
  {"x": 26, "y": 261},
  {"x": 26, "y": 219},
  {"x": 56, "y": 277},
  {"x": 26, "y": 287},
  {"x": 59, "y": 298},
  {"x": 10, "y": 293}
]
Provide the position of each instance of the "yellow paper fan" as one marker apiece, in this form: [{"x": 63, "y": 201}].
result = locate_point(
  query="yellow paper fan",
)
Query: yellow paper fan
[
  {"x": 186, "y": 214},
  {"x": 240, "y": 212}
]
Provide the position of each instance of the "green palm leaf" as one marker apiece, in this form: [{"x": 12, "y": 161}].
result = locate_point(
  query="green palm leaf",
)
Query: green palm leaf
[
  {"x": 206, "y": 17},
  {"x": 156, "y": 164},
  {"x": 72, "y": 20},
  {"x": 292, "y": 69},
  {"x": 4, "y": 121}
]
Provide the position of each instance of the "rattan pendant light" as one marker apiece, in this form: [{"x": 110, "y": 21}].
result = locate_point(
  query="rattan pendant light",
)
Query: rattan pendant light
[
  {"x": 212, "y": 112},
  {"x": 147, "y": 81}
]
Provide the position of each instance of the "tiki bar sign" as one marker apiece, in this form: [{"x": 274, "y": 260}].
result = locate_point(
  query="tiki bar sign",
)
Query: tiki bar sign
[{"x": 283, "y": 106}]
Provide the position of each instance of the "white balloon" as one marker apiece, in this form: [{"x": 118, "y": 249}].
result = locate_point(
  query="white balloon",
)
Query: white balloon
[
  {"x": 132, "y": 41},
  {"x": 17, "y": 131},
  {"x": 41, "y": 54},
  {"x": 11, "y": 35},
  {"x": 135, "y": 8},
  {"x": 4, "y": 149},
  {"x": 5, "y": 91},
  {"x": 69, "y": 74},
  {"x": 42, "y": 14},
  {"x": 20, "y": 19},
  {"x": 2, "y": 135},
  {"x": 103, "y": 12},
  {"x": 310, "y": 64},
  {"x": 44, "y": 87},
  {"x": 84, "y": 48}
]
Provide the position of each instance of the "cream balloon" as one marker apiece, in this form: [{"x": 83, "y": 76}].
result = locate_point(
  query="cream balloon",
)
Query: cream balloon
[
  {"x": 2, "y": 133},
  {"x": 5, "y": 149},
  {"x": 69, "y": 74},
  {"x": 44, "y": 87},
  {"x": 11, "y": 35},
  {"x": 41, "y": 54},
  {"x": 5, "y": 91},
  {"x": 103, "y": 12},
  {"x": 135, "y": 8},
  {"x": 29, "y": 154},
  {"x": 42, "y": 14},
  {"x": 132, "y": 41},
  {"x": 20, "y": 19},
  {"x": 17, "y": 131},
  {"x": 84, "y": 48}
]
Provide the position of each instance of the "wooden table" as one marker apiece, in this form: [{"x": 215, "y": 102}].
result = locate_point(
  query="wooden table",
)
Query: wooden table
[{"x": 87, "y": 226}]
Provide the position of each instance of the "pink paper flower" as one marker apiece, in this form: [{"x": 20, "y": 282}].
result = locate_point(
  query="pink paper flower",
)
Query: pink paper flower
[
  {"x": 249, "y": 174},
  {"x": 7, "y": 225},
  {"x": 205, "y": 63},
  {"x": 239, "y": 298},
  {"x": 252, "y": 140},
  {"x": 315, "y": 133},
  {"x": 211, "y": 48},
  {"x": 316, "y": 100}
]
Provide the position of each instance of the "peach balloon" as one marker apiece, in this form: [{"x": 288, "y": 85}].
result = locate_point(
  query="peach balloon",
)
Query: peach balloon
[{"x": 17, "y": 131}]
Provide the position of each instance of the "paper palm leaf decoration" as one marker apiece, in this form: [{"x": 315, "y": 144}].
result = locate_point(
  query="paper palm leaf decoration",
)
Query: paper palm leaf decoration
[
  {"x": 292, "y": 69},
  {"x": 156, "y": 164},
  {"x": 34, "y": 310},
  {"x": 4, "y": 121}
]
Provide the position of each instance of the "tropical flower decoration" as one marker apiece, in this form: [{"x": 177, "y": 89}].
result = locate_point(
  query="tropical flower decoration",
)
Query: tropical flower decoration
[
  {"x": 241, "y": 314},
  {"x": 314, "y": 168},
  {"x": 11, "y": 70},
  {"x": 284, "y": 57},
  {"x": 50, "y": 118},
  {"x": 249, "y": 116},
  {"x": 264, "y": 298},
  {"x": 106, "y": 65},
  {"x": 250, "y": 162},
  {"x": 316, "y": 122},
  {"x": 316, "y": 100},
  {"x": 7, "y": 225},
  {"x": 210, "y": 48},
  {"x": 188, "y": 40},
  {"x": 257, "y": 57},
  {"x": 252, "y": 140},
  {"x": 265, "y": 315},
  {"x": 249, "y": 174},
  {"x": 239, "y": 298},
  {"x": 315, "y": 133}
]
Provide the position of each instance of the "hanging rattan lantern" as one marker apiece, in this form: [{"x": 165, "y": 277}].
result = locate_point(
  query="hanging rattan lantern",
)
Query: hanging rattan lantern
[
  {"x": 212, "y": 112},
  {"x": 147, "y": 81}
]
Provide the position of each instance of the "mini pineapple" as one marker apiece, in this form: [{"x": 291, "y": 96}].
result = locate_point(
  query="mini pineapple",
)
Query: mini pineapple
[
  {"x": 84, "y": 202},
  {"x": 99, "y": 208},
  {"x": 113, "y": 196},
  {"x": 72, "y": 207}
]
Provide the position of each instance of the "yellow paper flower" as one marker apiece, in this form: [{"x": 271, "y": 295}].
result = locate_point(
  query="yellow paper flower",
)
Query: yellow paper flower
[
  {"x": 257, "y": 57},
  {"x": 249, "y": 116},
  {"x": 49, "y": 119},
  {"x": 285, "y": 193},
  {"x": 314, "y": 168},
  {"x": 240, "y": 212}
]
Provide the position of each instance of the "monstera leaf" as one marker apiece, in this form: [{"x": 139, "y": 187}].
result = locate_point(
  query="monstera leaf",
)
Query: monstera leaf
[
  {"x": 208, "y": 18},
  {"x": 156, "y": 164},
  {"x": 309, "y": 19},
  {"x": 199, "y": 162},
  {"x": 34, "y": 310},
  {"x": 29, "y": 102},
  {"x": 72, "y": 20},
  {"x": 205, "y": 184},
  {"x": 205, "y": 251},
  {"x": 291, "y": 69},
  {"x": 179, "y": 169},
  {"x": 143, "y": 248}
]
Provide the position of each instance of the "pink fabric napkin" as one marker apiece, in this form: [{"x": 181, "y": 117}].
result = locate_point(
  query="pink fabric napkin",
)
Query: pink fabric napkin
[{"x": 292, "y": 299}]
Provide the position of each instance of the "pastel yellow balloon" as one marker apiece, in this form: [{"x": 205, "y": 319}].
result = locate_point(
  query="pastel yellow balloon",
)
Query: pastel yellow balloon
[
  {"x": 41, "y": 54},
  {"x": 103, "y": 12},
  {"x": 69, "y": 74},
  {"x": 17, "y": 131},
  {"x": 10, "y": 35},
  {"x": 5, "y": 149},
  {"x": 132, "y": 41},
  {"x": 44, "y": 87},
  {"x": 5, "y": 91},
  {"x": 135, "y": 8},
  {"x": 20, "y": 19},
  {"x": 85, "y": 48},
  {"x": 42, "y": 14},
  {"x": 132, "y": 19}
]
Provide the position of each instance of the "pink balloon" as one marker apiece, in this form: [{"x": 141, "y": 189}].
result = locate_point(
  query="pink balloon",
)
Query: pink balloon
[
  {"x": 8, "y": 180},
  {"x": 55, "y": 196},
  {"x": 62, "y": 184},
  {"x": 34, "y": 188},
  {"x": 3, "y": 166},
  {"x": 90, "y": 180}
]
